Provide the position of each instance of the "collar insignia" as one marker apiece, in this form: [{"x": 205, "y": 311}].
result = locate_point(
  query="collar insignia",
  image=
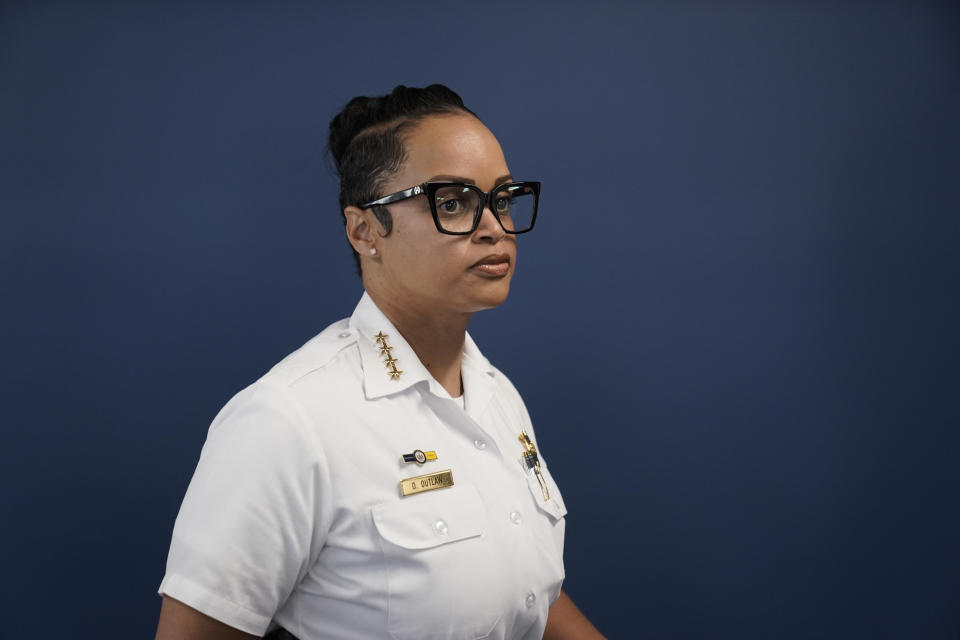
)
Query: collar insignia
[{"x": 389, "y": 360}]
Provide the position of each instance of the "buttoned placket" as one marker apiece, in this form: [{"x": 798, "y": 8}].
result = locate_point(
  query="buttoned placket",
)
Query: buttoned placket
[{"x": 507, "y": 514}]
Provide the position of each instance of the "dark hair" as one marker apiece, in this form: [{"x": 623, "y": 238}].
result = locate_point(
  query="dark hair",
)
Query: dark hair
[{"x": 366, "y": 141}]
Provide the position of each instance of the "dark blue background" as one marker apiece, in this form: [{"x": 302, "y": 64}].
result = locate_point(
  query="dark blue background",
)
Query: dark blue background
[{"x": 735, "y": 325}]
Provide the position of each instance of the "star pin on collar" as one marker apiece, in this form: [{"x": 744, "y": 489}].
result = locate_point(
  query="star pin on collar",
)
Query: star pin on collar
[{"x": 389, "y": 361}]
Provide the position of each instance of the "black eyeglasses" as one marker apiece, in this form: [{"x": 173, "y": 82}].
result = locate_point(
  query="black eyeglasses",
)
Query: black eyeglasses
[{"x": 457, "y": 207}]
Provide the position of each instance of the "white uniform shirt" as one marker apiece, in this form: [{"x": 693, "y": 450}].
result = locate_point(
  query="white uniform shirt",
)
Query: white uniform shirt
[{"x": 294, "y": 515}]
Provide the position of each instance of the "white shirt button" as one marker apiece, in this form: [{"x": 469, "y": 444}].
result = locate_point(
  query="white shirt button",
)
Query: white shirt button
[
  {"x": 480, "y": 444},
  {"x": 344, "y": 334},
  {"x": 531, "y": 599},
  {"x": 515, "y": 517},
  {"x": 441, "y": 527}
]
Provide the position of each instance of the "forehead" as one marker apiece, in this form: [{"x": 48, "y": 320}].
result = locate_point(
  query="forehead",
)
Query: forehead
[{"x": 452, "y": 145}]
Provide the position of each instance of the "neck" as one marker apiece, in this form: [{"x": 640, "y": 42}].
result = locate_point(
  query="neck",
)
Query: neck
[{"x": 436, "y": 338}]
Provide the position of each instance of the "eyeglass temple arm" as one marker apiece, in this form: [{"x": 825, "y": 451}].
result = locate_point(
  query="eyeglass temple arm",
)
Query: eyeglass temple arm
[{"x": 396, "y": 197}]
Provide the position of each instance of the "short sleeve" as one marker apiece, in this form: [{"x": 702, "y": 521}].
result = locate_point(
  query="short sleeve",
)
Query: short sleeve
[{"x": 256, "y": 512}]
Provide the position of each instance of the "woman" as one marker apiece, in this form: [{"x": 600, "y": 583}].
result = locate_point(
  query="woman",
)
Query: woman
[{"x": 382, "y": 480}]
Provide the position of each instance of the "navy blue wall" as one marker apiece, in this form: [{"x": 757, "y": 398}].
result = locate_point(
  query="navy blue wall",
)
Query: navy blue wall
[{"x": 735, "y": 326}]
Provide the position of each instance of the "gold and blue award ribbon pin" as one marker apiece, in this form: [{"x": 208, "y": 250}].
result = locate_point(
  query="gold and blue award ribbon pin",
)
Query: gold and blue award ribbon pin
[{"x": 419, "y": 456}]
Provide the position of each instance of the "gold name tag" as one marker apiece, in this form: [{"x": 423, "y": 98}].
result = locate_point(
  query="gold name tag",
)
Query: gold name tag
[{"x": 428, "y": 482}]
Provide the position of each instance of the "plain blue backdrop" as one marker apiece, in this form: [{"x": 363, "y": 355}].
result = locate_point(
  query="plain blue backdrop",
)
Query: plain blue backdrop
[{"x": 735, "y": 325}]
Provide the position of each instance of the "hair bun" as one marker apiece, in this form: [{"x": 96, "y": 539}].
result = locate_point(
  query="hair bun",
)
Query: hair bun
[
  {"x": 359, "y": 114},
  {"x": 364, "y": 112}
]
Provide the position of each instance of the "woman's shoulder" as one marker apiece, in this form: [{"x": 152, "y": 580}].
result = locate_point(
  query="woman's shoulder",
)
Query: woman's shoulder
[
  {"x": 330, "y": 351},
  {"x": 319, "y": 371},
  {"x": 283, "y": 400}
]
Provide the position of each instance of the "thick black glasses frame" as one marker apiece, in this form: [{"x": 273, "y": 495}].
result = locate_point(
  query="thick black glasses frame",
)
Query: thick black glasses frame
[{"x": 429, "y": 189}]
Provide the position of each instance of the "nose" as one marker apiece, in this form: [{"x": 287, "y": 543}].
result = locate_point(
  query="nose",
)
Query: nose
[{"x": 489, "y": 228}]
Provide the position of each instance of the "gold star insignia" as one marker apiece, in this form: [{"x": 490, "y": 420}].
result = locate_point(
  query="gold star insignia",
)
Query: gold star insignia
[{"x": 389, "y": 361}]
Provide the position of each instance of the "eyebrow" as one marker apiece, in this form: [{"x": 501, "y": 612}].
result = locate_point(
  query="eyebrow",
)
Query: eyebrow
[{"x": 497, "y": 182}]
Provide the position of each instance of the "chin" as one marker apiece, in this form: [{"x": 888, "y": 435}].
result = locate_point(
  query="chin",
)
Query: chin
[{"x": 491, "y": 297}]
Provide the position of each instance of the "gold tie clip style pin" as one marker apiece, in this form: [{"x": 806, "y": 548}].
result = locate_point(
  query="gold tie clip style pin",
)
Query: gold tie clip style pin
[
  {"x": 532, "y": 461},
  {"x": 389, "y": 360}
]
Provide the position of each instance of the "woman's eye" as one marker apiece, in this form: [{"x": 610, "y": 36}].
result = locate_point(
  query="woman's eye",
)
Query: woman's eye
[
  {"x": 453, "y": 205},
  {"x": 503, "y": 203}
]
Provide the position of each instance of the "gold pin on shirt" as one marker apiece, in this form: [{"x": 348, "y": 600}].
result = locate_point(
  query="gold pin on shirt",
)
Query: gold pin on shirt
[
  {"x": 532, "y": 461},
  {"x": 389, "y": 361}
]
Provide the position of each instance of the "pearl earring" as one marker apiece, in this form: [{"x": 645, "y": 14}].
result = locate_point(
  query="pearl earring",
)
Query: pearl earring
[{"x": 373, "y": 251}]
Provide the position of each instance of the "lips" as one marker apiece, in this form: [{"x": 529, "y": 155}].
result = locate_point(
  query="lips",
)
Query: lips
[{"x": 497, "y": 264}]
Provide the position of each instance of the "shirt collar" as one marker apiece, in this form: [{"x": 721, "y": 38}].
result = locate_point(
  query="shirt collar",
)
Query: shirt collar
[
  {"x": 368, "y": 321},
  {"x": 478, "y": 379}
]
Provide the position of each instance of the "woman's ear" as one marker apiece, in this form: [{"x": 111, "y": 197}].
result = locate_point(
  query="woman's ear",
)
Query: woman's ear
[{"x": 359, "y": 230}]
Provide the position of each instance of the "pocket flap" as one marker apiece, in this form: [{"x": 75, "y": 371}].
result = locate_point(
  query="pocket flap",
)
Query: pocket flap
[
  {"x": 431, "y": 519},
  {"x": 553, "y": 507}
]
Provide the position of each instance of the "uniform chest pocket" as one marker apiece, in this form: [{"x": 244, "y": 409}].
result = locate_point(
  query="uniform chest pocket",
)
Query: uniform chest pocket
[
  {"x": 553, "y": 507},
  {"x": 442, "y": 570}
]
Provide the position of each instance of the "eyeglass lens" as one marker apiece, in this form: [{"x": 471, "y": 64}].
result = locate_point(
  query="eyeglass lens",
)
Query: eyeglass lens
[{"x": 457, "y": 205}]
